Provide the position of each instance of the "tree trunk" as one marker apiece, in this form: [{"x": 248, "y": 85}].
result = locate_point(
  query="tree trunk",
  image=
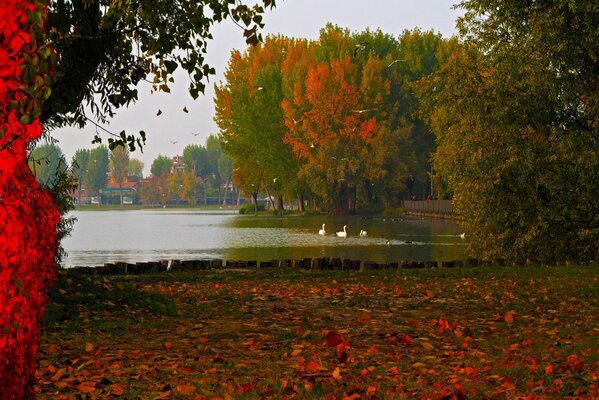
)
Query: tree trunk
[
  {"x": 280, "y": 203},
  {"x": 300, "y": 202}
]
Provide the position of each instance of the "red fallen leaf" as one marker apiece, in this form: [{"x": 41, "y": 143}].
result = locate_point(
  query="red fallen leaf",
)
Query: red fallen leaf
[
  {"x": 168, "y": 345},
  {"x": 364, "y": 372},
  {"x": 218, "y": 285},
  {"x": 86, "y": 387},
  {"x": 333, "y": 339},
  {"x": 88, "y": 347},
  {"x": 117, "y": 389},
  {"x": 245, "y": 388},
  {"x": 312, "y": 366},
  {"x": 470, "y": 371},
  {"x": 217, "y": 358},
  {"x": 342, "y": 357},
  {"x": 443, "y": 326},
  {"x": 370, "y": 390},
  {"x": 185, "y": 389},
  {"x": 548, "y": 369},
  {"x": 406, "y": 340},
  {"x": 509, "y": 317},
  {"x": 574, "y": 362}
]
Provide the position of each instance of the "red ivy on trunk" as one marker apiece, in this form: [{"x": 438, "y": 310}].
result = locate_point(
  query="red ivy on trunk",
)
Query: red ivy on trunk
[{"x": 28, "y": 216}]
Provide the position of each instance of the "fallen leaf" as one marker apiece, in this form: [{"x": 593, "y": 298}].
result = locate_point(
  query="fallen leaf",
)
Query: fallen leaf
[
  {"x": 337, "y": 374},
  {"x": 509, "y": 317},
  {"x": 333, "y": 339},
  {"x": 548, "y": 369},
  {"x": 185, "y": 389},
  {"x": 89, "y": 347},
  {"x": 312, "y": 367},
  {"x": 428, "y": 346},
  {"x": 86, "y": 387}
]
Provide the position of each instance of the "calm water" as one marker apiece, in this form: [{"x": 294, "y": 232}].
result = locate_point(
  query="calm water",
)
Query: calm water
[{"x": 145, "y": 235}]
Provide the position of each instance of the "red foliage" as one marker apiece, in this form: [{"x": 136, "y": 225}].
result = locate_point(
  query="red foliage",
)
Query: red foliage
[{"x": 28, "y": 216}]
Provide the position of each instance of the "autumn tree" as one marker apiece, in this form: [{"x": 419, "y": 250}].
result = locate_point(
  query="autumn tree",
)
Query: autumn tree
[
  {"x": 135, "y": 168},
  {"x": 515, "y": 115},
  {"x": 119, "y": 167}
]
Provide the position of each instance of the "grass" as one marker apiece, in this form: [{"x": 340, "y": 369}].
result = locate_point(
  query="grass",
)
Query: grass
[{"x": 469, "y": 333}]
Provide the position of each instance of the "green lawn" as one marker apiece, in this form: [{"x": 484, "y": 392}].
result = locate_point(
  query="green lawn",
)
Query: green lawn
[{"x": 485, "y": 332}]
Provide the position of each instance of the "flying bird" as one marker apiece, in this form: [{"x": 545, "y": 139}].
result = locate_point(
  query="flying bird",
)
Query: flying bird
[
  {"x": 359, "y": 47},
  {"x": 362, "y": 111},
  {"x": 173, "y": 141},
  {"x": 159, "y": 112},
  {"x": 185, "y": 110},
  {"x": 195, "y": 134},
  {"x": 393, "y": 62},
  {"x": 294, "y": 121}
]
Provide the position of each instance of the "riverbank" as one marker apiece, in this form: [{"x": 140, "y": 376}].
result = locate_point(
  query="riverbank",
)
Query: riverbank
[{"x": 498, "y": 332}]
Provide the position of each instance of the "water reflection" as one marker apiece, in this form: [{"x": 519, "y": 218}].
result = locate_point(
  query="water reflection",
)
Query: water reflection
[{"x": 144, "y": 235}]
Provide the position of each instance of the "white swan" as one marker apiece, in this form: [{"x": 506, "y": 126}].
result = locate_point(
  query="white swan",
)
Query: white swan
[
  {"x": 463, "y": 235},
  {"x": 322, "y": 231},
  {"x": 363, "y": 233},
  {"x": 344, "y": 233}
]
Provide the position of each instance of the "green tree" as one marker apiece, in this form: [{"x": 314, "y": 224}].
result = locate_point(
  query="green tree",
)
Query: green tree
[
  {"x": 515, "y": 115},
  {"x": 161, "y": 165},
  {"x": 79, "y": 168},
  {"x": 119, "y": 166},
  {"x": 95, "y": 177},
  {"x": 47, "y": 162}
]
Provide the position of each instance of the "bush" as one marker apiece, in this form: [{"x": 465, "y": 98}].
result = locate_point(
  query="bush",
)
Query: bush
[{"x": 250, "y": 209}]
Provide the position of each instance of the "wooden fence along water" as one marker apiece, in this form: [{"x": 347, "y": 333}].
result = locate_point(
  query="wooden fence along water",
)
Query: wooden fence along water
[
  {"x": 429, "y": 208},
  {"x": 325, "y": 263}
]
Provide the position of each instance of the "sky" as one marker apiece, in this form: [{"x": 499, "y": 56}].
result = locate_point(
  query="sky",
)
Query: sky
[{"x": 292, "y": 18}]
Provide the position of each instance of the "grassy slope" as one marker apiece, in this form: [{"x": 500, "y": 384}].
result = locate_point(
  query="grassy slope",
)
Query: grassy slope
[{"x": 471, "y": 332}]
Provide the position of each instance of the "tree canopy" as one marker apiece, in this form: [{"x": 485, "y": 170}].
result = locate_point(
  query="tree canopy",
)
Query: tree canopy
[
  {"x": 515, "y": 116},
  {"x": 107, "y": 47},
  {"x": 331, "y": 120}
]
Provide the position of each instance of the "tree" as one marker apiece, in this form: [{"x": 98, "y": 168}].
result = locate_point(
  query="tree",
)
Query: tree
[
  {"x": 136, "y": 167},
  {"x": 29, "y": 216},
  {"x": 47, "y": 162},
  {"x": 161, "y": 165},
  {"x": 112, "y": 46},
  {"x": 515, "y": 115},
  {"x": 79, "y": 167},
  {"x": 95, "y": 178},
  {"x": 119, "y": 166},
  {"x": 95, "y": 42}
]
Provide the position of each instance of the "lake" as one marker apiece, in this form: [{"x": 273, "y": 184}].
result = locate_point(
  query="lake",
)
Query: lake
[{"x": 147, "y": 235}]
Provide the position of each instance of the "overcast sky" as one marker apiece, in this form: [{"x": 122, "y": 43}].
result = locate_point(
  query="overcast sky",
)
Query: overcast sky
[{"x": 292, "y": 18}]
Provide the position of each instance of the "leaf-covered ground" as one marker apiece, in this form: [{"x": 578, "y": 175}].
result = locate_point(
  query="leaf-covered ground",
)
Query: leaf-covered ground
[{"x": 470, "y": 333}]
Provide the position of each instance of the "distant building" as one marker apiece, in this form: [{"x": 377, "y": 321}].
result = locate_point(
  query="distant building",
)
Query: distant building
[{"x": 177, "y": 164}]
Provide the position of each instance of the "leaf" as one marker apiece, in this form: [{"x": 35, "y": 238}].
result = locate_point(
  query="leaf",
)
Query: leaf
[
  {"x": 86, "y": 387},
  {"x": 89, "y": 347},
  {"x": 333, "y": 339},
  {"x": 509, "y": 317},
  {"x": 312, "y": 367},
  {"x": 117, "y": 389},
  {"x": 428, "y": 346},
  {"x": 185, "y": 389},
  {"x": 337, "y": 374},
  {"x": 168, "y": 345},
  {"x": 548, "y": 369},
  {"x": 296, "y": 352}
]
